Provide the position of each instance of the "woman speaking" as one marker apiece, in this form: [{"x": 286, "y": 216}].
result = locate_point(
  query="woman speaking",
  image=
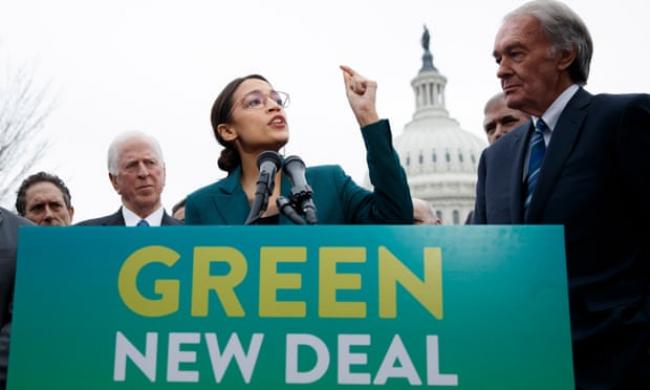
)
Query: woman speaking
[{"x": 248, "y": 118}]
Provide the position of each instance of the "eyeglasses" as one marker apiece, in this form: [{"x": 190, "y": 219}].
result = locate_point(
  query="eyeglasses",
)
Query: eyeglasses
[{"x": 256, "y": 99}]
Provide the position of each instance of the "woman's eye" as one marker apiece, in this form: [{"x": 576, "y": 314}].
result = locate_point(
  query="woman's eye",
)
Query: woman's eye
[{"x": 253, "y": 102}]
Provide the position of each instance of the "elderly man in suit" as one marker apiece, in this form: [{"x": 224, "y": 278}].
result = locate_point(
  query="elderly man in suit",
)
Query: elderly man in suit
[
  {"x": 136, "y": 170},
  {"x": 582, "y": 162},
  {"x": 9, "y": 224}
]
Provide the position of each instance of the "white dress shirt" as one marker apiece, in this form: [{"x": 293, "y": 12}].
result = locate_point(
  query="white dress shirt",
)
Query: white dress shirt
[{"x": 132, "y": 219}]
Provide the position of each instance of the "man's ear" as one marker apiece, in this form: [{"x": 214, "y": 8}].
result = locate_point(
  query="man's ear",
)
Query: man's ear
[
  {"x": 113, "y": 180},
  {"x": 227, "y": 132},
  {"x": 566, "y": 58}
]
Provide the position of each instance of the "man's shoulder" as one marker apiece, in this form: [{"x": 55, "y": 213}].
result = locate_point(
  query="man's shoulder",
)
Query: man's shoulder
[
  {"x": 506, "y": 144},
  {"x": 168, "y": 220},
  {"x": 10, "y": 218},
  {"x": 616, "y": 101},
  {"x": 111, "y": 219}
]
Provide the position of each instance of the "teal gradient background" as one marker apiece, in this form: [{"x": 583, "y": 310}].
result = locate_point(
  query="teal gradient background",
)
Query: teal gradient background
[{"x": 505, "y": 325}]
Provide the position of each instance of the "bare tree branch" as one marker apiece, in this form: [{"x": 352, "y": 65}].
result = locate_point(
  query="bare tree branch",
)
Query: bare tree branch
[{"x": 24, "y": 107}]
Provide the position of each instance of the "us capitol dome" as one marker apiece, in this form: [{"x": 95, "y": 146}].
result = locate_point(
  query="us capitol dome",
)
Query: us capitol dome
[{"x": 440, "y": 158}]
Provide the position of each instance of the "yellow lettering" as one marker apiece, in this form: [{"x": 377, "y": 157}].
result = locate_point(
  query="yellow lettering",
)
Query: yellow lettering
[
  {"x": 329, "y": 281},
  {"x": 127, "y": 282},
  {"x": 223, "y": 285},
  {"x": 271, "y": 281},
  {"x": 428, "y": 291}
]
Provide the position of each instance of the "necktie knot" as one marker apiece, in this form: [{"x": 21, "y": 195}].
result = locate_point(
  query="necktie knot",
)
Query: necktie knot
[
  {"x": 143, "y": 223},
  {"x": 541, "y": 127}
]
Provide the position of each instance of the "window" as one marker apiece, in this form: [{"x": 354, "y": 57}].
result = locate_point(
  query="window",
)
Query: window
[{"x": 456, "y": 217}]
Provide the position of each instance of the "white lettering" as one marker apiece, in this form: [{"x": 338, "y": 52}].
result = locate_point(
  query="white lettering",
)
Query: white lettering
[
  {"x": 347, "y": 359},
  {"x": 397, "y": 352},
  {"x": 434, "y": 377},
  {"x": 146, "y": 363},
  {"x": 175, "y": 356},
  {"x": 245, "y": 361},
  {"x": 292, "y": 375}
]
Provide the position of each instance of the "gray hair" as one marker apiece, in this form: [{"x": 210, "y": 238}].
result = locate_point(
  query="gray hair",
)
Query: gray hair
[
  {"x": 565, "y": 30},
  {"x": 115, "y": 149}
]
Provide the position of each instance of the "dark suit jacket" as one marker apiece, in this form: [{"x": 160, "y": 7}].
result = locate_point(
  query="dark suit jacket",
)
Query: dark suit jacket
[
  {"x": 9, "y": 224},
  {"x": 595, "y": 181},
  {"x": 117, "y": 219},
  {"x": 337, "y": 198}
]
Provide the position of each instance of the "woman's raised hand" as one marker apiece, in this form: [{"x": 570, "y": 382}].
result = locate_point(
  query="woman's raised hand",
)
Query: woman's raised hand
[{"x": 361, "y": 94}]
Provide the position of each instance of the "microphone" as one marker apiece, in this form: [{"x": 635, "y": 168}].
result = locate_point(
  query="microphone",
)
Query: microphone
[
  {"x": 268, "y": 163},
  {"x": 301, "y": 192}
]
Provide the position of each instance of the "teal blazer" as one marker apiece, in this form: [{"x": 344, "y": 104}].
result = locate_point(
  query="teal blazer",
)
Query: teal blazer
[{"x": 337, "y": 198}]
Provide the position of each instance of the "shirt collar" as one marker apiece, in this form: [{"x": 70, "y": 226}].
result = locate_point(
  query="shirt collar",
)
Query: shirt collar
[
  {"x": 552, "y": 114},
  {"x": 132, "y": 219}
]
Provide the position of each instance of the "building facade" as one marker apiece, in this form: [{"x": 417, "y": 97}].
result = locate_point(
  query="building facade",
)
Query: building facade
[{"x": 440, "y": 158}]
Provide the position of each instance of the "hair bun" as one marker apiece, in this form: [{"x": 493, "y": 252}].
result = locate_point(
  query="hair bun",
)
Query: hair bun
[{"x": 228, "y": 160}]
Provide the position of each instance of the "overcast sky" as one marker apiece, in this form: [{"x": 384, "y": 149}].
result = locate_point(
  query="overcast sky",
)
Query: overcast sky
[{"x": 157, "y": 66}]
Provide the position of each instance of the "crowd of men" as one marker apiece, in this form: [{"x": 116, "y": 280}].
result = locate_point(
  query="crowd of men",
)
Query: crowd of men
[{"x": 557, "y": 155}]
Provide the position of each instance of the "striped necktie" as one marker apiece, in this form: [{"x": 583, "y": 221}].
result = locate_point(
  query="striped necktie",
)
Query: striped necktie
[
  {"x": 537, "y": 151},
  {"x": 143, "y": 223}
]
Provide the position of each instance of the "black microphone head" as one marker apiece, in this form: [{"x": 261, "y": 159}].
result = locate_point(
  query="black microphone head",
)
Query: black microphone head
[
  {"x": 269, "y": 156},
  {"x": 294, "y": 168},
  {"x": 292, "y": 163}
]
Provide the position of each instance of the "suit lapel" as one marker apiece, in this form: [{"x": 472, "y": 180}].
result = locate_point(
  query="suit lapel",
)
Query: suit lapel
[
  {"x": 230, "y": 200},
  {"x": 564, "y": 137},
  {"x": 520, "y": 141},
  {"x": 168, "y": 220}
]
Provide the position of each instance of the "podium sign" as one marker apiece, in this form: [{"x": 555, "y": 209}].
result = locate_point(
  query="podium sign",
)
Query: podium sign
[{"x": 318, "y": 307}]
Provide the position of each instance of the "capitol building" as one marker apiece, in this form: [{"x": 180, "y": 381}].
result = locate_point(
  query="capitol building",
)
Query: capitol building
[{"x": 440, "y": 158}]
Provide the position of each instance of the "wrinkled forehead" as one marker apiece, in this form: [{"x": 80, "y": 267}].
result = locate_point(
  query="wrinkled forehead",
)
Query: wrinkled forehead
[
  {"x": 137, "y": 149},
  {"x": 43, "y": 189}
]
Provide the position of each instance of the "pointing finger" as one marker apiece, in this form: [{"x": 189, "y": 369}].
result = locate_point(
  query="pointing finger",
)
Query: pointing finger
[{"x": 347, "y": 70}]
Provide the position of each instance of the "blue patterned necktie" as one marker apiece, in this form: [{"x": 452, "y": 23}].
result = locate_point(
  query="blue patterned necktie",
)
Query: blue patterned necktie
[
  {"x": 537, "y": 151},
  {"x": 143, "y": 223}
]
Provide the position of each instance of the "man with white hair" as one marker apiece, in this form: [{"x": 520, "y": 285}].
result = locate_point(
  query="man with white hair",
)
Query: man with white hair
[
  {"x": 136, "y": 170},
  {"x": 581, "y": 162}
]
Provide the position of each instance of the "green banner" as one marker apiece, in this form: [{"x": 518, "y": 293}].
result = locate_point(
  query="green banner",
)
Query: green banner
[{"x": 318, "y": 307}]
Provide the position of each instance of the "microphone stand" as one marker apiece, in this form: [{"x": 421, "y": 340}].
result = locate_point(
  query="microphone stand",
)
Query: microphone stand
[
  {"x": 261, "y": 201},
  {"x": 288, "y": 209}
]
